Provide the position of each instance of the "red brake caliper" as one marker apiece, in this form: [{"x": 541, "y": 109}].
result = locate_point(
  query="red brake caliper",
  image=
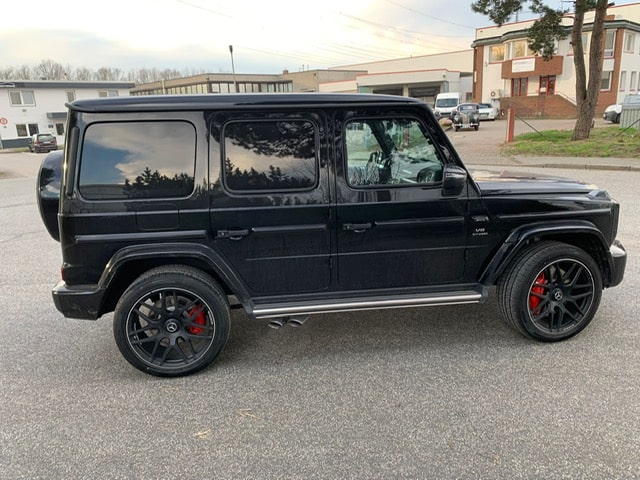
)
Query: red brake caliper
[
  {"x": 534, "y": 300},
  {"x": 197, "y": 313}
]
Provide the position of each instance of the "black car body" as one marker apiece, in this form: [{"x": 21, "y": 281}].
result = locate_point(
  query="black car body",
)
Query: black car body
[
  {"x": 174, "y": 209},
  {"x": 466, "y": 115}
]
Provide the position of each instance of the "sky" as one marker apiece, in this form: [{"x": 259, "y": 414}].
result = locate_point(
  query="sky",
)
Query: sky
[{"x": 267, "y": 36}]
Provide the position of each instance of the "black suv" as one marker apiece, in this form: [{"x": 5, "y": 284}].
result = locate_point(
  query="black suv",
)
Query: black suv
[{"x": 174, "y": 209}]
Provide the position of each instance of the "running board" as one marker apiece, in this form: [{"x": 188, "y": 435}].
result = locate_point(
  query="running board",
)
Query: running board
[{"x": 366, "y": 303}]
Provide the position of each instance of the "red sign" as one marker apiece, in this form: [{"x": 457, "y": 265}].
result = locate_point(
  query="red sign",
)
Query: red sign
[{"x": 3, "y": 121}]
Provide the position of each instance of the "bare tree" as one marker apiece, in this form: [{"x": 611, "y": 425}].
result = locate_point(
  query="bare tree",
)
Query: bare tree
[
  {"x": 83, "y": 74},
  {"x": 50, "y": 70}
]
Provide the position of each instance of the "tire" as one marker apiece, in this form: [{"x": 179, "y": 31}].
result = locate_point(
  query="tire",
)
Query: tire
[
  {"x": 550, "y": 292},
  {"x": 617, "y": 119},
  {"x": 476, "y": 127},
  {"x": 171, "y": 321}
]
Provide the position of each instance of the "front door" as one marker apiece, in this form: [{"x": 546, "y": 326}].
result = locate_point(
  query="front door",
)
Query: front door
[
  {"x": 270, "y": 199},
  {"x": 394, "y": 226}
]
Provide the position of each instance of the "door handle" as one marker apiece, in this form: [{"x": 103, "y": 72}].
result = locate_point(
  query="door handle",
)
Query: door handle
[
  {"x": 232, "y": 234},
  {"x": 356, "y": 227}
]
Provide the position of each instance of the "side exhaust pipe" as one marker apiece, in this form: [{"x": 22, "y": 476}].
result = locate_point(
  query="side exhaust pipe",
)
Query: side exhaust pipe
[
  {"x": 277, "y": 323},
  {"x": 297, "y": 321}
]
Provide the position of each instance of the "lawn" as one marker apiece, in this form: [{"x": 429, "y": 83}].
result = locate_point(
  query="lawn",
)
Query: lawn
[{"x": 602, "y": 142}]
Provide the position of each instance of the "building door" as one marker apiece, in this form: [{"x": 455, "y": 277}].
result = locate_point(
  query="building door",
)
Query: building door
[{"x": 548, "y": 85}]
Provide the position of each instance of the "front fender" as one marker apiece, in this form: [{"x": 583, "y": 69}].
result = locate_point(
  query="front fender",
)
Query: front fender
[{"x": 524, "y": 235}]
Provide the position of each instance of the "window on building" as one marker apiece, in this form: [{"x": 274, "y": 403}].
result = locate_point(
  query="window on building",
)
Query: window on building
[
  {"x": 60, "y": 128},
  {"x": 496, "y": 53},
  {"x": 623, "y": 81},
  {"x": 107, "y": 93},
  {"x": 71, "y": 95},
  {"x": 519, "y": 87},
  {"x": 605, "y": 82},
  {"x": 20, "y": 98},
  {"x": 33, "y": 128},
  {"x": 585, "y": 44},
  {"x": 21, "y": 130},
  {"x": 609, "y": 43},
  {"x": 629, "y": 42},
  {"x": 632, "y": 81},
  {"x": 519, "y": 49},
  {"x": 274, "y": 155},
  {"x": 138, "y": 160}
]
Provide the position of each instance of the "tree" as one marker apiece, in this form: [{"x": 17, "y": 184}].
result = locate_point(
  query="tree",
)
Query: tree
[
  {"x": 50, "y": 70},
  {"x": 549, "y": 28}
]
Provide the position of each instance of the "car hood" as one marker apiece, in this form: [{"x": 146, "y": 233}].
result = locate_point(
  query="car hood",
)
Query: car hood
[{"x": 514, "y": 183}]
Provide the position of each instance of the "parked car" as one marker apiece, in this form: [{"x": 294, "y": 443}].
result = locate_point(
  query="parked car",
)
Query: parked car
[
  {"x": 487, "y": 111},
  {"x": 42, "y": 142},
  {"x": 172, "y": 210},
  {"x": 612, "y": 113},
  {"x": 466, "y": 115}
]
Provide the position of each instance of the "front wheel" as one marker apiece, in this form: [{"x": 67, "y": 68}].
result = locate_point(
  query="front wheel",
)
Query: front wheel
[
  {"x": 551, "y": 291},
  {"x": 171, "y": 321}
]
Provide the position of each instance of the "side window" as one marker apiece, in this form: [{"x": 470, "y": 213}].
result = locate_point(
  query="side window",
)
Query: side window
[
  {"x": 272, "y": 155},
  {"x": 393, "y": 151},
  {"x": 130, "y": 160}
]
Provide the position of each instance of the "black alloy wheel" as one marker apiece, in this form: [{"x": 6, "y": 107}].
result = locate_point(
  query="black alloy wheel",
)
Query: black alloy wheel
[
  {"x": 551, "y": 291},
  {"x": 172, "y": 321}
]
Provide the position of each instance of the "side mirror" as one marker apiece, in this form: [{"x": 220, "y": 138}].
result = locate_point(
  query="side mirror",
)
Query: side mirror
[{"x": 454, "y": 180}]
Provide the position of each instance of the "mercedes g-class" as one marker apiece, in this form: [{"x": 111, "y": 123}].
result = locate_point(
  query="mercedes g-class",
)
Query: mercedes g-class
[{"x": 170, "y": 210}]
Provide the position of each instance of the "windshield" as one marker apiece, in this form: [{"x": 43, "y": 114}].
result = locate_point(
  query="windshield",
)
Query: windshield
[{"x": 446, "y": 102}]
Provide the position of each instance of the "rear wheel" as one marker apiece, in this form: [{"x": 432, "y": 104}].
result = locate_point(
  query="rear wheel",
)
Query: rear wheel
[
  {"x": 171, "y": 321},
  {"x": 551, "y": 291}
]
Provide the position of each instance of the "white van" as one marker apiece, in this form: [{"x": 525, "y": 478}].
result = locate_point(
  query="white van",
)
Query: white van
[{"x": 446, "y": 103}]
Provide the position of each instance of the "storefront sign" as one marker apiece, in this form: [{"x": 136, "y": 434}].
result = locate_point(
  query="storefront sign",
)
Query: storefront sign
[{"x": 523, "y": 65}]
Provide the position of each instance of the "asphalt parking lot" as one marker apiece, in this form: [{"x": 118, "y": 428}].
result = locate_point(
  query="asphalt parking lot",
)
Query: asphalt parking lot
[{"x": 446, "y": 392}]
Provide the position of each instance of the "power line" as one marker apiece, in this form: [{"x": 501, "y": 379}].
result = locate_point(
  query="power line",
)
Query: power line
[{"x": 429, "y": 15}]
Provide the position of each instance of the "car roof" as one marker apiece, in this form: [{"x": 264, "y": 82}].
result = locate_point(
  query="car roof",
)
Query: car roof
[{"x": 226, "y": 101}]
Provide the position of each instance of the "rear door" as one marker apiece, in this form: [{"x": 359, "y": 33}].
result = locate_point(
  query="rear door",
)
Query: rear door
[
  {"x": 394, "y": 226},
  {"x": 270, "y": 199}
]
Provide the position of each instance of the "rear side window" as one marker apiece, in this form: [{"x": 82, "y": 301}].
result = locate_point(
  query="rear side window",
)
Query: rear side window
[
  {"x": 129, "y": 160},
  {"x": 270, "y": 155}
]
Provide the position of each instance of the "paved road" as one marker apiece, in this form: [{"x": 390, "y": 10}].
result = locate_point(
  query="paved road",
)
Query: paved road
[{"x": 447, "y": 392}]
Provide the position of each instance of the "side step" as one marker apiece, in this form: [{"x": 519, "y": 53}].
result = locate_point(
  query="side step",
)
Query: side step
[{"x": 367, "y": 303}]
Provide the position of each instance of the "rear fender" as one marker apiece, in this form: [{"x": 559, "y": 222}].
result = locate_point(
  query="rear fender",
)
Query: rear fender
[{"x": 130, "y": 262}]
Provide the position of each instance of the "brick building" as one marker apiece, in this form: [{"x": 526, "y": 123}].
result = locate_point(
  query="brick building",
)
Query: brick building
[{"x": 508, "y": 73}]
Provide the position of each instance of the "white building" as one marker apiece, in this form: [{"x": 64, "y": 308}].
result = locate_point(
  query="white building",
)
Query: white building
[
  {"x": 506, "y": 70},
  {"x": 420, "y": 77},
  {"x": 29, "y": 107}
]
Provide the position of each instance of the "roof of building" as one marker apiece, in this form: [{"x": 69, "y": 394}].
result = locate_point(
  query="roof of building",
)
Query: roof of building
[{"x": 64, "y": 84}]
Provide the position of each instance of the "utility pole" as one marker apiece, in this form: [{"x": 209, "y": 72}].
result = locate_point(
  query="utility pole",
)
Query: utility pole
[{"x": 233, "y": 69}]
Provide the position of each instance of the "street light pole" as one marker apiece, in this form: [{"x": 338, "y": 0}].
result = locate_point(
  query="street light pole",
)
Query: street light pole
[{"x": 233, "y": 69}]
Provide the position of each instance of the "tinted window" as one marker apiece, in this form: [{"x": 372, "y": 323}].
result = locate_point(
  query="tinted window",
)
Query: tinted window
[
  {"x": 270, "y": 155},
  {"x": 137, "y": 160},
  {"x": 390, "y": 152}
]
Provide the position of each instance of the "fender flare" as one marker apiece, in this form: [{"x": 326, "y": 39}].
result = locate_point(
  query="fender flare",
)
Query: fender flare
[
  {"x": 522, "y": 236},
  {"x": 196, "y": 251}
]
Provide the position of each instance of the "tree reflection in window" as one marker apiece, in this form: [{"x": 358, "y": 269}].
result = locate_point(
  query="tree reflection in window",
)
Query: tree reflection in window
[
  {"x": 138, "y": 160},
  {"x": 152, "y": 184},
  {"x": 270, "y": 155}
]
